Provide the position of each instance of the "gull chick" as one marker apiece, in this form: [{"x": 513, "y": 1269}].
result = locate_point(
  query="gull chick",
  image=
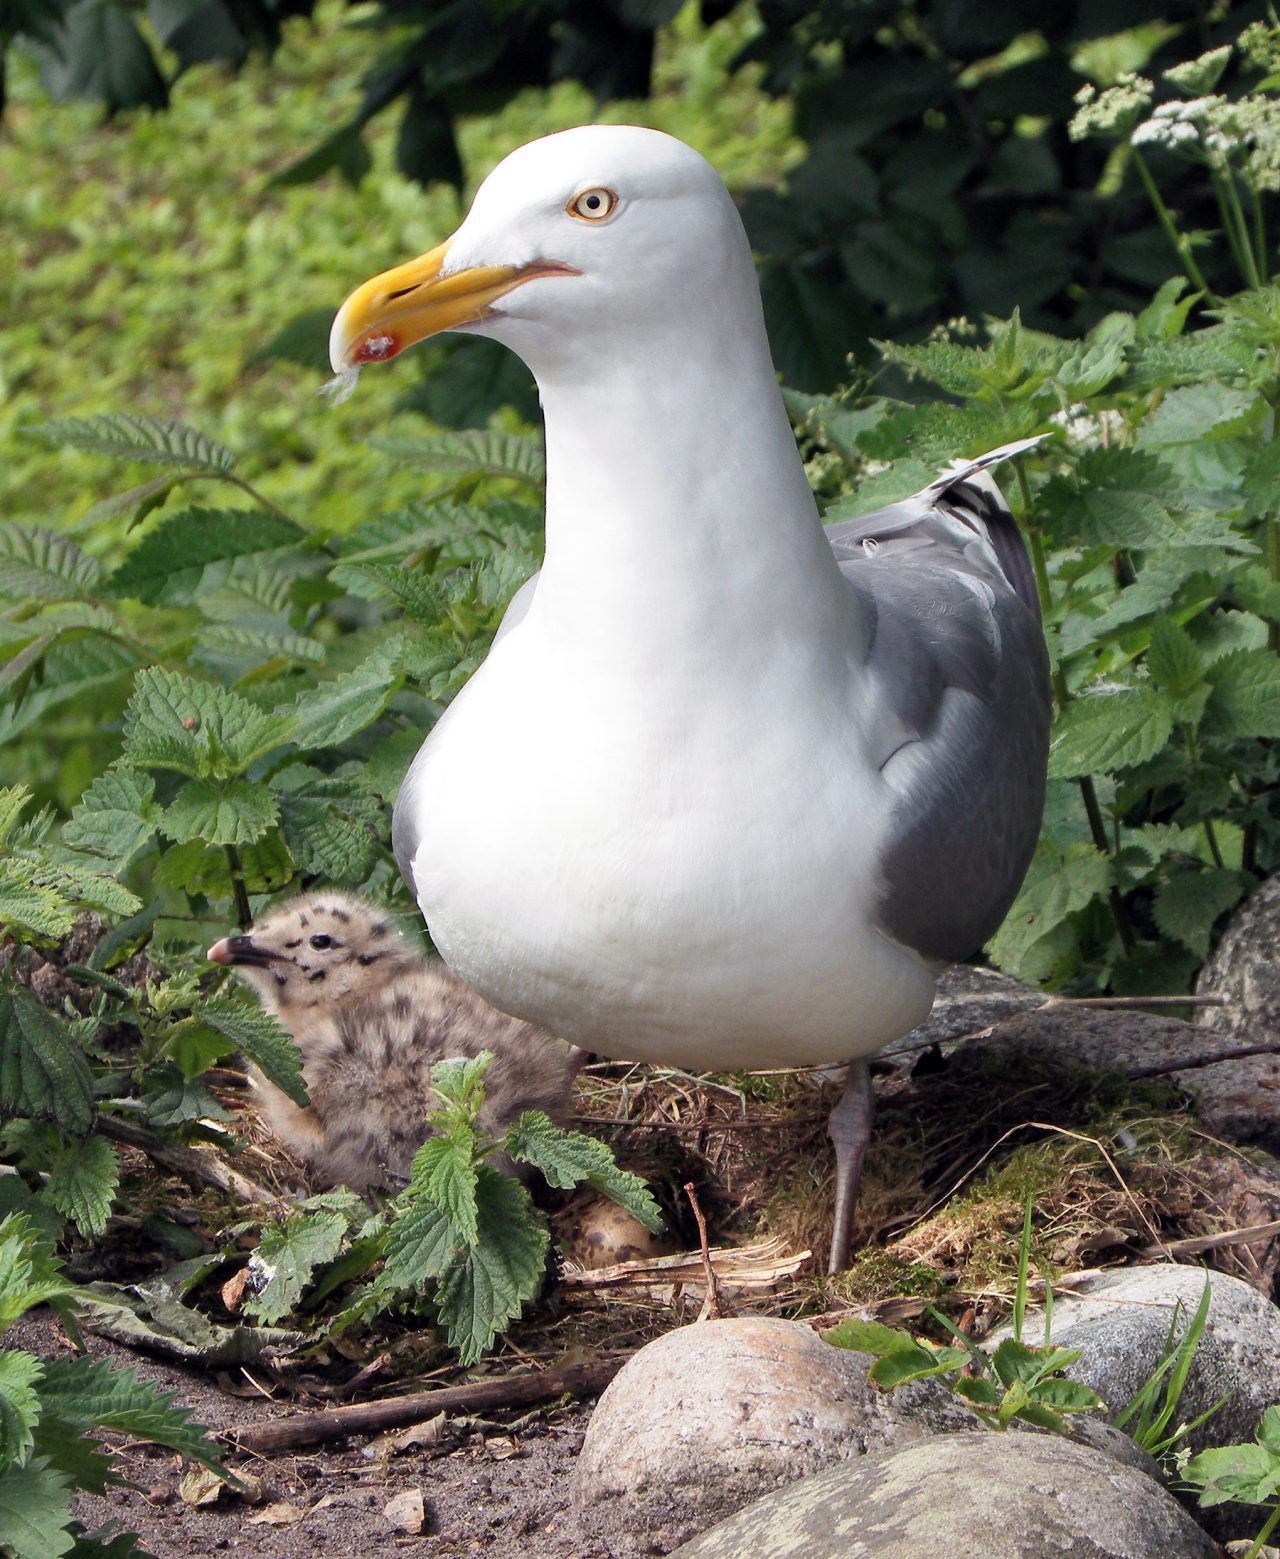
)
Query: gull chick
[{"x": 371, "y": 1017}]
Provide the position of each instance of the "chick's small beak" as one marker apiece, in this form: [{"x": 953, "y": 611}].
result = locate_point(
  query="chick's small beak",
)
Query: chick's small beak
[
  {"x": 414, "y": 301},
  {"x": 238, "y": 950}
]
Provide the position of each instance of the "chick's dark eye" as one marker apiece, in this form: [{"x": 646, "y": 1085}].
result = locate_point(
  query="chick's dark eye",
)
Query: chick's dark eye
[{"x": 321, "y": 940}]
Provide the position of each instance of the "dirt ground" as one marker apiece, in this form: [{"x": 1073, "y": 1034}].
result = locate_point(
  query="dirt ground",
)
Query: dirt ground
[{"x": 484, "y": 1490}]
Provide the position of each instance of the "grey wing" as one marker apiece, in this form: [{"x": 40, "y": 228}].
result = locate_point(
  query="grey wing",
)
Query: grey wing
[{"x": 958, "y": 660}]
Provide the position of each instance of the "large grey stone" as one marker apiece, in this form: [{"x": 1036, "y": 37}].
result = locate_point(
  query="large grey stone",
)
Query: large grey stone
[
  {"x": 1238, "y": 1100},
  {"x": 1120, "y": 1321},
  {"x": 711, "y": 1416},
  {"x": 969, "y": 999},
  {"x": 1244, "y": 971},
  {"x": 977, "y": 1495}
]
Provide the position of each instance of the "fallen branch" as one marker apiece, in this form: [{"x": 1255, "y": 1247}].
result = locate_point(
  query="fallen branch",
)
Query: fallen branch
[
  {"x": 191, "y": 1163},
  {"x": 332, "y": 1423},
  {"x": 1201, "y": 1242},
  {"x": 711, "y": 1310},
  {"x": 758, "y": 1266},
  {"x": 1240, "y": 1054}
]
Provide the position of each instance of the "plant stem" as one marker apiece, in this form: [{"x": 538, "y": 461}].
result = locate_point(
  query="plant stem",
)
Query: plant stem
[
  {"x": 1259, "y": 229},
  {"x": 1241, "y": 243},
  {"x": 1180, "y": 245},
  {"x": 244, "y": 915},
  {"x": 1256, "y": 1547},
  {"x": 1273, "y": 570}
]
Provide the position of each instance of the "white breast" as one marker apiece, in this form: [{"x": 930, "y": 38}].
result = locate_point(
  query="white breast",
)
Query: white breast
[{"x": 644, "y": 870}]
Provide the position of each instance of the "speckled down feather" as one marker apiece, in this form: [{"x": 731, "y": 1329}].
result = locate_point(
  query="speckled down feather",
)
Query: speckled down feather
[{"x": 371, "y": 1018}]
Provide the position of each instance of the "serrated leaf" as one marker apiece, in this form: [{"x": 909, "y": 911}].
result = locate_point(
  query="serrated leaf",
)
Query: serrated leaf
[
  {"x": 444, "y": 1173},
  {"x": 1188, "y": 905},
  {"x": 460, "y": 1078},
  {"x": 1174, "y": 661},
  {"x": 30, "y": 1273},
  {"x": 19, "y": 1405},
  {"x": 43, "y": 1072},
  {"x": 115, "y": 816},
  {"x": 337, "y": 709},
  {"x": 1059, "y": 883},
  {"x": 325, "y": 842},
  {"x": 234, "y": 812},
  {"x": 234, "y": 641},
  {"x": 206, "y": 732},
  {"x": 420, "y": 1243},
  {"x": 485, "y": 1286},
  {"x": 1246, "y": 694},
  {"x": 13, "y": 802},
  {"x": 489, "y": 453},
  {"x": 39, "y": 563},
  {"x": 168, "y": 563},
  {"x": 1103, "y": 732},
  {"x": 93, "y": 1394},
  {"x": 82, "y": 1182},
  {"x": 287, "y": 1255},
  {"x": 138, "y": 438},
  {"x": 566, "y": 1158},
  {"x": 1066, "y": 1396},
  {"x": 916, "y": 1363},
  {"x": 1197, "y": 412},
  {"x": 35, "y": 1507},
  {"x": 202, "y": 868},
  {"x": 262, "y": 1040}
]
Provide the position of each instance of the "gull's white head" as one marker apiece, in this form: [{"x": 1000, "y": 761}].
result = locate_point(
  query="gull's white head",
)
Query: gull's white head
[{"x": 573, "y": 243}]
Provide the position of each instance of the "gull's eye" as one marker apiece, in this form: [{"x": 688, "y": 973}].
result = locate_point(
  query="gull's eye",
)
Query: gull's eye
[
  {"x": 593, "y": 205},
  {"x": 321, "y": 940}
]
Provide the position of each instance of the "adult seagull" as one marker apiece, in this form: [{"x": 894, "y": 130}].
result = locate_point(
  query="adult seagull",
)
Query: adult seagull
[{"x": 730, "y": 788}]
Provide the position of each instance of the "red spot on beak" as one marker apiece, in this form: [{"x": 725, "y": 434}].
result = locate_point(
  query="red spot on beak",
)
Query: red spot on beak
[{"x": 376, "y": 348}]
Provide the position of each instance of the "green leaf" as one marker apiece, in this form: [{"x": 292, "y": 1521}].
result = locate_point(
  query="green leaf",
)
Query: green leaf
[
  {"x": 1246, "y": 694},
  {"x": 82, "y": 1182},
  {"x": 13, "y": 802},
  {"x": 30, "y": 1273},
  {"x": 36, "y": 911},
  {"x": 460, "y": 1079},
  {"x": 202, "y": 868},
  {"x": 1066, "y": 1396},
  {"x": 1197, "y": 412},
  {"x": 234, "y": 812},
  {"x": 19, "y": 1405},
  {"x": 420, "y": 1244},
  {"x": 485, "y": 1286},
  {"x": 115, "y": 816},
  {"x": 1014, "y": 1361},
  {"x": 43, "y": 1072},
  {"x": 147, "y": 1316},
  {"x": 35, "y": 1507},
  {"x": 444, "y": 1172},
  {"x": 287, "y": 1255},
  {"x": 1188, "y": 905},
  {"x": 262, "y": 1040},
  {"x": 492, "y": 454},
  {"x": 1103, "y": 732},
  {"x": 1059, "y": 883},
  {"x": 38, "y": 563},
  {"x": 915, "y": 1363},
  {"x": 326, "y": 842},
  {"x": 976, "y": 1389},
  {"x": 1268, "y": 1435},
  {"x": 566, "y": 1158},
  {"x": 94, "y": 1394},
  {"x": 168, "y": 563},
  {"x": 1243, "y": 1472},
  {"x": 138, "y": 438},
  {"x": 337, "y": 709},
  {"x": 206, "y": 732},
  {"x": 1174, "y": 661}
]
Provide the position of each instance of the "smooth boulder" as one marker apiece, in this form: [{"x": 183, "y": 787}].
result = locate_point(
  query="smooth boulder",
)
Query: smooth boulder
[{"x": 977, "y": 1495}]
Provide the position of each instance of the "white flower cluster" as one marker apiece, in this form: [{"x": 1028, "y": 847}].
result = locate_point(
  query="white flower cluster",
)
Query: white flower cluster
[
  {"x": 1259, "y": 47},
  {"x": 1113, "y": 112},
  {"x": 1214, "y": 130}
]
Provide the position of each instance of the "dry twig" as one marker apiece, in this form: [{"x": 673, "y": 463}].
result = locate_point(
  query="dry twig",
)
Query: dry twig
[{"x": 194, "y": 1164}]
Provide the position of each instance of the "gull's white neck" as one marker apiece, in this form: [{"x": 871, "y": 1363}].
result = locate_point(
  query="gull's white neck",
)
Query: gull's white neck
[{"x": 678, "y": 514}]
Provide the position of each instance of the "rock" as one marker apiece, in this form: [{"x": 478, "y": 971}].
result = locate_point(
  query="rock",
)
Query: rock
[
  {"x": 709, "y": 1417},
  {"x": 1234, "y": 1099},
  {"x": 1244, "y": 971},
  {"x": 1120, "y": 1322},
  {"x": 969, "y": 1000},
  {"x": 976, "y": 1495}
]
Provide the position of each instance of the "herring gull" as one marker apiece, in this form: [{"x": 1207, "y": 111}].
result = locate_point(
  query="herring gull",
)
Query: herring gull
[{"x": 730, "y": 788}]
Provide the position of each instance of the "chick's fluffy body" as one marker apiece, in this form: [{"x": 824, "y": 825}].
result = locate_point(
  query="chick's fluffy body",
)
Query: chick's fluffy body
[{"x": 371, "y": 1017}]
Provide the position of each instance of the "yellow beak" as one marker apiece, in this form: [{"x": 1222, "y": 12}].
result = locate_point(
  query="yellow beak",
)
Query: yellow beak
[{"x": 413, "y": 301}]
